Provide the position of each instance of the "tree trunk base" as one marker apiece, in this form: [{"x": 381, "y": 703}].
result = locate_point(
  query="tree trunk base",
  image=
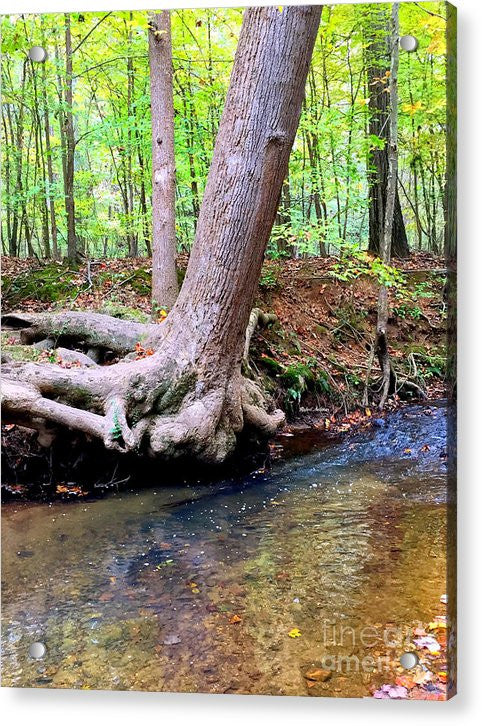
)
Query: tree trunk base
[{"x": 160, "y": 405}]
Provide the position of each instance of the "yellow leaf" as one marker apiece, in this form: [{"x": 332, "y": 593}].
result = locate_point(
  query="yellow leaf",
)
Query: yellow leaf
[
  {"x": 294, "y": 633},
  {"x": 412, "y": 108},
  {"x": 437, "y": 625}
]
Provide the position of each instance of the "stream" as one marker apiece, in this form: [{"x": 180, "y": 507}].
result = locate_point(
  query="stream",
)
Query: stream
[{"x": 238, "y": 586}]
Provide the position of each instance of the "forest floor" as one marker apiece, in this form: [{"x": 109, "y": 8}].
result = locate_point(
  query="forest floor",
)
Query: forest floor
[{"x": 315, "y": 357}]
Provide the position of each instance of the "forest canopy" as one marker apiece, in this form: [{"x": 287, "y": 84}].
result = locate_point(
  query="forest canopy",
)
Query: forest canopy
[{"x": 324, "y": 204}]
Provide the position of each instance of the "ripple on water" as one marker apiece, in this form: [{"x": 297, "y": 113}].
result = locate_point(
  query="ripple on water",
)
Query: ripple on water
[{"x": 199, "y": 589}]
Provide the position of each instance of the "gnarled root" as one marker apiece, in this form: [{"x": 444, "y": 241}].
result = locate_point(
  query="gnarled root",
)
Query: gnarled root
[
  {"x": 155, "y": 405},
  {"x": 257, "y": 317}
]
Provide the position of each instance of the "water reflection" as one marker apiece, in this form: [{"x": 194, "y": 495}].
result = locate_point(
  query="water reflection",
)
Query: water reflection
[{"x": 198, "y": 589}]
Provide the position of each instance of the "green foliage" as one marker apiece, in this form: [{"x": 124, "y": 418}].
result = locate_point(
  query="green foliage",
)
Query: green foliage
[
  {"x": 273, "y": 366},
  {"x": 325, "y": 197},
  {"x": 269, "y": 279},
  {"x": 299, "y": 378},
  {"x": 410, "y": 311},
  {"x": 355, "y": 263},
  {"x": 432, "y": 365}
]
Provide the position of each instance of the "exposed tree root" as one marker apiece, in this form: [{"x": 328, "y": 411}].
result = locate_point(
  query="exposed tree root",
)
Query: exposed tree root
[
  {"x": 92, "y": 331},
  {"x": 160, "y": 405},
  {"x": 257, "y": 317}
]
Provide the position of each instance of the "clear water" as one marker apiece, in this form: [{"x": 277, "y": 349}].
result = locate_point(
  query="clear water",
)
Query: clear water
[{"x": 138, "y": 590}]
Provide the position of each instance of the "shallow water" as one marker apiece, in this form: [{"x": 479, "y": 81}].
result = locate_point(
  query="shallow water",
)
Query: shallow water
[{"x": 138, "y": 590}]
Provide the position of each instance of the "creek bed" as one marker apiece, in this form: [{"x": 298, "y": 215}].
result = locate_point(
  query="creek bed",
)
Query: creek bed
[{"x": 241, "y": 586}]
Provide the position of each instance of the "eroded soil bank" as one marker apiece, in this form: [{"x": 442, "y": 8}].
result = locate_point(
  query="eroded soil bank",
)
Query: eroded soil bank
[{"x": 313, "y": 358}]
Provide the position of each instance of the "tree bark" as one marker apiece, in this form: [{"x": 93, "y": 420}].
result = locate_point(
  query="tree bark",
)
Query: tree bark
[
  {"x": 189, "y": 398},
  {"x": 131, "y": 232},
  {"x": 50, "y": 171},
  {"x": 14, "y": 241},
  {"x": 377, "y": 68},
  {"x": 164, "y": 276},
  {"x": 69, "y": 147},
  {"x": 381, "y": 344}
]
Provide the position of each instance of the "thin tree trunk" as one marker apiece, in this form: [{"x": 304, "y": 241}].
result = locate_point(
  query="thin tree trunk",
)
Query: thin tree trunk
[
  {"x": 8, "y": 212},
  {"x": 381, "y": 345},
  {"x": 143, "y": 203},
  {"x": 377, "y": 62},
  {"x": 69, "y": 147},
  {"x": 413, "y": 163},
  {"x": 14, "y": 241},
  {"x": 50, "y": 171},
  {"x": 41, "y": 166},
  {"x": 164, "y": 276},
  {"x": 192, "y": 165},
  {"x": 131, "y": 233}
]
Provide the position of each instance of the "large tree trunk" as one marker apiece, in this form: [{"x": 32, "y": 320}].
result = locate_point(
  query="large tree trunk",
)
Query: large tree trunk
[
  {"x": 164, "y": 276},
  {"x": 377, "y": 72},
  {"x": 189, "y": 397}
]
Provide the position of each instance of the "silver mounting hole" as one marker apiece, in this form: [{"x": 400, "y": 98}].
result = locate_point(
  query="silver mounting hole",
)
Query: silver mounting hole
[
  {"x": 37, "y": 650},
  {"x": 408, "y": 660},
  {"x": 37, "y": 54},
  {"x": 408, "y": 43}
]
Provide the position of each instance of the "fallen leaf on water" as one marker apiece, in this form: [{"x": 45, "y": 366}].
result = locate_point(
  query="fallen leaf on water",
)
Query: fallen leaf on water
[
  {"x": 235, "y": 619},
  {"x": 283, "y": 576},
  {"x": 425, "y": 447},
  {"x": 294, "y": 633}
]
